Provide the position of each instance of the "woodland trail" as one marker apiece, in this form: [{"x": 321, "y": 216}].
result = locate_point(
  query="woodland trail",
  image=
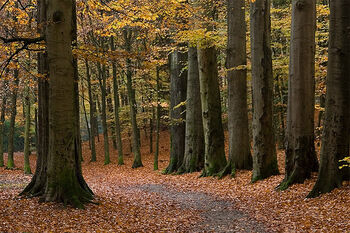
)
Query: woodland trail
[
  {"x": 218, "y": 215},
  {"x": 143, "y": 200}
]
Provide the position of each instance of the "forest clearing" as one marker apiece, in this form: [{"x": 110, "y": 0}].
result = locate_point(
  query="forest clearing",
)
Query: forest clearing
[{"x": 144, "y": 200}]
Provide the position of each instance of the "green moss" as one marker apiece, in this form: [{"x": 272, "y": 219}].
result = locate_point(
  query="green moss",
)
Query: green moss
[
  {"x": 27, "y": 169},
  {"x": 10, "y": 163}
]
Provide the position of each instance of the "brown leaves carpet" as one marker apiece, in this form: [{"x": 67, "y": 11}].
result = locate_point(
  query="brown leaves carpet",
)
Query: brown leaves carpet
[{"x": 143, "y": 200}]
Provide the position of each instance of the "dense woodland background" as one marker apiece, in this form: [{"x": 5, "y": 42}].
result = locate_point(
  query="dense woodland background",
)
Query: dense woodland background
[{"x": 122, "y": 75}]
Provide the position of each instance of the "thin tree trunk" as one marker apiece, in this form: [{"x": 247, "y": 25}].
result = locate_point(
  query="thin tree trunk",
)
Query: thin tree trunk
[
  {"x": 194, "y": 141},
  {"x": 103, "y": 111},
  {"x": 2, "y": 122},
  {"x": 156, "y": 154},
  {"x": 264, "y": 157},
  {"x": 92, "y": 115},
  {"x": 13, "y": 111},
  {"x": 26, "y": 104},
  {"x": 301, "y": 157},
  {"x": 116, "y": 110},
  {"x": 336, "y": 134},
  {"x": 132, "y": 103}
]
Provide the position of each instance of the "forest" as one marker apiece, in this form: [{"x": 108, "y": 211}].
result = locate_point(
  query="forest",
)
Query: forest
[{"x": 174, "y": 116}]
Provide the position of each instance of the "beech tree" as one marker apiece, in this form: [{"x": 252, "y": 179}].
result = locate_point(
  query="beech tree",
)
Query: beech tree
[
  {"x": 236, "y": 62},
  {"x": 63, "y": 181},
  {"x": 178, "y": 77},
  {"x": 194, "y": 139},
  {"x": 300, "y": 152},
  {"x": 264, "y": 156},
  {"x": 336, "y": 133}
]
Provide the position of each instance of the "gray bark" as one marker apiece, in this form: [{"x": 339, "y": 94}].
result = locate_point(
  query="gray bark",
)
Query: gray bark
[
  {"x": 336, "y": 134},
  {"x": 194, "y": 140},
  {"x": 300, "y": 152},
  {"x": 239, "y": 148},
  {"x": 264, "y": 156},
  {"x": 178, "y": 77}
]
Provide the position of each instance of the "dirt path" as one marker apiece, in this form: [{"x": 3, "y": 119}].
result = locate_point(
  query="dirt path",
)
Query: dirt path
[{"x": 218, "y": 215}]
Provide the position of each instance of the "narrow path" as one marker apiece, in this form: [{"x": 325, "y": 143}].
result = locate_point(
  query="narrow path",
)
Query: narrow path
[{"x": 218, "y": 215}]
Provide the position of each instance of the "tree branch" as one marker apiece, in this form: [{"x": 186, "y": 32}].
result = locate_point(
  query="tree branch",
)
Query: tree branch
[{"x": 27, "y": 41}]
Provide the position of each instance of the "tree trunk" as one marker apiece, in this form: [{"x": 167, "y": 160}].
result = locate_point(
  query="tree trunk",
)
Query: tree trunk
[
  {"x": 116, "y": 110},
  {"x": 13, "y": 111},
  {"x": 336, "y": 134},
  {"x": 64, "y": 180},
  {"x": 2, "y": 122},
  {"x": 214, "y": 155},
  {"x": 92, "y": 113},
  {"x": 26, "y": 104},
  {"x": 236, "y": 61},
  {"x": 156, "y": 154},
  {"x": 37, "y": 185},
  {"x": 301, "y": 157},
  {"x": 103, "y": 111},
  {"x": 194, "y": 140},
  {"x": 132, "y": 102},
  {"x": 178, "y": 79},
  {"x": 264, "y": 156}
]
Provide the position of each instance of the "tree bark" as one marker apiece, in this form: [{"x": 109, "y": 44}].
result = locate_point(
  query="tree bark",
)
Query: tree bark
[
  {"x": 13, "y": 111},
  {"x": 116, "y": 110},
  {"x": 336, "y": 134},
  {"x": 2, "y": 122},
  {"x": 264, "y": 156},
  {"x": 214, "y": 155},
  {"x": 26, "y": 105},
  {"x": 132, "y": 102},
  {"x": 92, "y": 113},
  {"x": 178, "y": 77},
  {"x": 236, "y": 61},
  {"x": 103, "y": 110},
  {"x": 300, "y": 152},
  {"x": 156, "y": 154},
  {"x": 194, "y": 140},
  {"x": 64, "y": 180}
]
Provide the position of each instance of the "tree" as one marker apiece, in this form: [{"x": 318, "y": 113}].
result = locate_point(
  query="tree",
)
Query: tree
[
  {"x": 64, "y": 181},
  {"x": 2, "y": 121},
  {"x": 13, "y": 111},
  {"x": 336, "y": 134},
  {"x": 300, "y": 152},
  {"x": 26, "y": 105},
  {"x": 264, "y": 156},
  {"x": 194, "y": 140},
  {"x": 116, "y": 110},
  {"x": 236, "y": 62},
  {"x": 128, "y": 37},
  {"x": 178, "y": 78}
]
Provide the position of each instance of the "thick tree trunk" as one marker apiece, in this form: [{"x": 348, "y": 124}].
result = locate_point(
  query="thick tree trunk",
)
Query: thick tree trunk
[
  {"x": 92, "y": 113},
  {"x": 301, "y": 157},
  {"x": 116, "y": 111},
  {"x": 13, "y": 111},
  {"x": 194, "y": 140},
  {"x": 264, "y": 156},
  {"x": 103, "y": 111},
  {"x": 236, "y": 61},
  {"x": 132, "y": 102},
  {"x": 178, "y": 77},
  {"x": 64, "y": 180},
  {"x": 214, "y": 155},
  {"x": 336, "y": 134}
]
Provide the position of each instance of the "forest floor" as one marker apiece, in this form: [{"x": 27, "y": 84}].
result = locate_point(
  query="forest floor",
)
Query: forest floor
[{"x": 143, "y": 200}]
